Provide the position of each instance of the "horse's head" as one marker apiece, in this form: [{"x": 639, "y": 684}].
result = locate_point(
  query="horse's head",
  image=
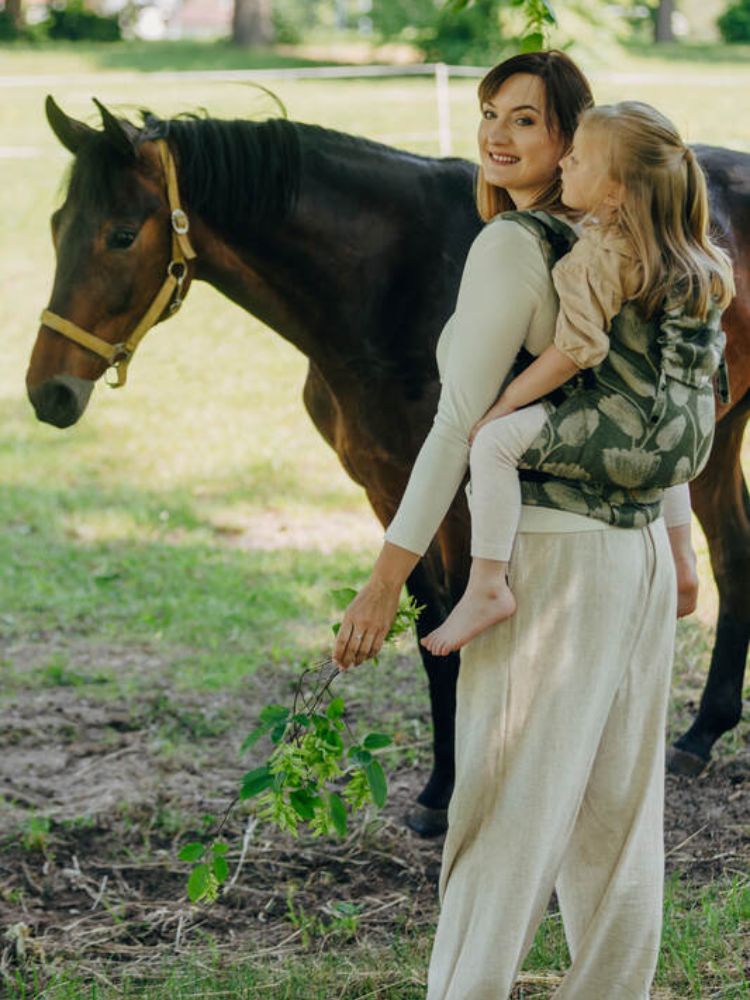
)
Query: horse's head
[{"x": 122, "y": 261}]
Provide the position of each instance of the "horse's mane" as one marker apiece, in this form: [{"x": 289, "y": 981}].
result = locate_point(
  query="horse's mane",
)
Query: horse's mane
[{"x": 236, "y": 172}]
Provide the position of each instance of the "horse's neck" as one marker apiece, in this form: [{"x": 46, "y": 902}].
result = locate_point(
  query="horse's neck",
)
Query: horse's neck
[{"x": 306, "y": 277}]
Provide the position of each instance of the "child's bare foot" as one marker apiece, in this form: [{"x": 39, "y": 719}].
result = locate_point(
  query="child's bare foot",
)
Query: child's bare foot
[{"x": 475, "y": 612}]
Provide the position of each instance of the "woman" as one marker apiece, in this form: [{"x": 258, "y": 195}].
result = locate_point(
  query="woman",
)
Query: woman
[{"x": 561, "y": 708}]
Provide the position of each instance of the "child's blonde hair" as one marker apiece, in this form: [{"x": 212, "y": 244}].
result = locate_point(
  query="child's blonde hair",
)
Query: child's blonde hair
[{"x": 664, "y": 209}]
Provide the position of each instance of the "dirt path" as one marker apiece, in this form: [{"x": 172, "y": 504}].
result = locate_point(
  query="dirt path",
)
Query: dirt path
[{"x": 123, "y": 783}]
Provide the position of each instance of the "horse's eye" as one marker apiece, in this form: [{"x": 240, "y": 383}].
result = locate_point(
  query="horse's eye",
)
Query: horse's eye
[{"x": 120, "y": 239}]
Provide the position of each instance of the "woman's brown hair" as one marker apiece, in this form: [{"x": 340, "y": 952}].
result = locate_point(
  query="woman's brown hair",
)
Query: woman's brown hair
[{"x": 567, "y": 94}]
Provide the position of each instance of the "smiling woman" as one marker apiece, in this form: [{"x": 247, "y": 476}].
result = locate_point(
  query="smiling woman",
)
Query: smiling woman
[
  {"x": 519, "y": 147},
  {"x": 560, "y": 706},
  {"x": 529, "y": 116}
]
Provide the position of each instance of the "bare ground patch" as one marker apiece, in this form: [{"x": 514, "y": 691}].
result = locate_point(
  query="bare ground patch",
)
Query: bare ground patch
[{"x": 99, "y": 792}]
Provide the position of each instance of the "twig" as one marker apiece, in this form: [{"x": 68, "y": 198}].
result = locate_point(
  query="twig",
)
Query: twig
[
  {"x": 98, "y": 761},
  {"x": 252, "y": 822},
  {"x": 377, "y": 990},
  {"x": 99, "y": 895},
  {"x": 178, "y": 935},
  {"x": 686, "y": 840}
]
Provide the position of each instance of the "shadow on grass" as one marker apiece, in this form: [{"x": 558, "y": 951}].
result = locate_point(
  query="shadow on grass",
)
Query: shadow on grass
[
  {"x": 150, "y": 57},
  {"x": 139, "y": 571}
]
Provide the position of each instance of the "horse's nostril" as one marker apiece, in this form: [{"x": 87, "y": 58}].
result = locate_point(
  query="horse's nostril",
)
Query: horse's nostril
[{"x": 61, "y": 400}]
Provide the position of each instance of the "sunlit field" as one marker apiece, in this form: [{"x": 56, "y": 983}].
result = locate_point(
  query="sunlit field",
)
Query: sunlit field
[{"x": 182, "y": 541}]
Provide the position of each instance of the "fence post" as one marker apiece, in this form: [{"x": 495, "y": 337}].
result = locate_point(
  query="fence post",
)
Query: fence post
[{"x": 443, "y": 109}]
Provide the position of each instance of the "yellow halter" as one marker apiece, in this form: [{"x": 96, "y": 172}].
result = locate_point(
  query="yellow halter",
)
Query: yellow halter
[{"x": 169, "y": 296}]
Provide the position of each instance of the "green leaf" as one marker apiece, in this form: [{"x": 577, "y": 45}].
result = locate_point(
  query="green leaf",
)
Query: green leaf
[
  {"x": 456, "y": 5},
  {"x": 343, "y": 597},
  {"x": 219, "y": 849},
  {"x": 360, "y": 756},
  {"x": 376, "y": 781},
  {"x": 273, "y": 714},
  {"x": 301, "y": 720},
  {"x": 336, "y": 628},
  {"x": 304, "y": 803},
  {"x": 333, "y": 739},
  {"x": 375, "y": 741},
  {"x": 255, "y": 782},
  {"x": 533, "y": 42},
  {"x": 253, "y": 736},
  {"x": 549, "y": 13},
  {"x": 220, "y": 869},
  {"x": 336, "y": 708},
  {"x": 192, "y": 852},
  {"x": 337, "y": 809},
  {"x": 277, "y": 733},
  {"x": 198, "y": 883}
]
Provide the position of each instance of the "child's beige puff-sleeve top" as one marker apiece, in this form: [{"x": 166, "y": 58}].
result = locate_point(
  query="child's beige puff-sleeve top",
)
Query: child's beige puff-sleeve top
[{"x": 592, "y": 282}]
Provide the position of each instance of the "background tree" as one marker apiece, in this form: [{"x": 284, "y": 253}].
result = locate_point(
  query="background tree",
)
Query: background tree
[
  {"x": 252, "y": 23},
  {"x": 734, "y": 23},
  {"x": 14, "y": 12},
  {"x": 663, "y": 21}
]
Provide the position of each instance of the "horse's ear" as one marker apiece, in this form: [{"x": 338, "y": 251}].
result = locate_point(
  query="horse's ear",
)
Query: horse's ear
[
  {"x": 70, "y": 132},
  {"x": 121, "y": 133}
]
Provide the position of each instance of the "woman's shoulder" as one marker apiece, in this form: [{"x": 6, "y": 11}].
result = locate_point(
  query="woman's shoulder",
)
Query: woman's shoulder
[{"x": 506, "y": 235}]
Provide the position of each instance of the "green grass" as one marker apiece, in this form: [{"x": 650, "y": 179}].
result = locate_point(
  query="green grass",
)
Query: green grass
[
  {"x": 141, "y": 57},
  {"x": 704, "y": 954},
  {"x": 139, "y": 528}
]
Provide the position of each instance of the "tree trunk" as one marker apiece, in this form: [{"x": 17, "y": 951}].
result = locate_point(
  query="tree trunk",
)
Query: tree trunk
[
  {"x": 663, "y": 31},
  {"x": 13, "y": 10},
  {"x": 251, "y": 23}
]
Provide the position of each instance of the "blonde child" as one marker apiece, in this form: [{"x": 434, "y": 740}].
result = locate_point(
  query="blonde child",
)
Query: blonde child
[{"x": 644, "y": 270}]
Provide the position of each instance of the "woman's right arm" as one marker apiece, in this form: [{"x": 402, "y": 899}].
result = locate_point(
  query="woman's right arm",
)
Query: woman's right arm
[{"x": 505, "y": 279}]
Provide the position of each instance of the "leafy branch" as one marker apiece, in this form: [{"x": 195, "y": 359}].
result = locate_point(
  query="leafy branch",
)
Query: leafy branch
[
  {"x": 317, "y": 775},
  {"x": 540, "y": 16}
]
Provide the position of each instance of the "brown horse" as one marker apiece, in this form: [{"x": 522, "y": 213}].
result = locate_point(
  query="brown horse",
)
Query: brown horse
[{"x": 353, "y": 251}]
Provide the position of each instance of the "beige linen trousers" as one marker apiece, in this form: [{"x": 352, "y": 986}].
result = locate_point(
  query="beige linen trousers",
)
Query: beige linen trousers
[{"x": 560, "y": 771}]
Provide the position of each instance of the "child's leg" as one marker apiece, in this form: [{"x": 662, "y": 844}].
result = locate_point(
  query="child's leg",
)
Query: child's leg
[{"x": 495, "y": 512}]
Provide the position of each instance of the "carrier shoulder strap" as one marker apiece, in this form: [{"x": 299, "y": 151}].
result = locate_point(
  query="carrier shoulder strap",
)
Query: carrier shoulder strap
[{"x": 555, "y": 235}]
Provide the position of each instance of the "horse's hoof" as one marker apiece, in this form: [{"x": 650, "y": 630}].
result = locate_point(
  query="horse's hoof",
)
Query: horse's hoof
[
  {"x": 427, "y": 822},
  {"x": 684, "y": 763}
]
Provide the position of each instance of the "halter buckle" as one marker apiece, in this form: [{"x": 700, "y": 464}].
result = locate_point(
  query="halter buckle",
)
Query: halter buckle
[
  {"x": 177, "y": 270},
  {"x": 113, "y": 376},
  {"x": 180, "y": 221}
]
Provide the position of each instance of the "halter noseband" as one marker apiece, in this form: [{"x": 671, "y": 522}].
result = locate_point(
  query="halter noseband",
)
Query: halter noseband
[{"x": 169, "y": 296}]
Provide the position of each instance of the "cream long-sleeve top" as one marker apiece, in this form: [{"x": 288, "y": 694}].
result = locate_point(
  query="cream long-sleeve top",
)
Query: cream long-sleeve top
[{"x": 506, "y": 302}]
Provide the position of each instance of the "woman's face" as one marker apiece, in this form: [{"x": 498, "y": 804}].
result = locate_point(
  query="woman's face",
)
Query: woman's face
[{"x": 516, "y": 150}]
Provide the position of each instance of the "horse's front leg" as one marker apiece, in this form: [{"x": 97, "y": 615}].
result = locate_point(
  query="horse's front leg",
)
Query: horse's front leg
[
  {"x": 721, "y": 501},
  {"x": 436, "y": 583}
]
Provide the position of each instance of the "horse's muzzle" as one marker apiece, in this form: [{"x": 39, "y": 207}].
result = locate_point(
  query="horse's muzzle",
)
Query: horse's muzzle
[{"x": 60, "y": 400}]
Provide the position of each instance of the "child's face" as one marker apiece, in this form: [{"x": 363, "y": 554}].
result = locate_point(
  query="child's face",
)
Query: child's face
[{"x": 586, "y": 184}]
